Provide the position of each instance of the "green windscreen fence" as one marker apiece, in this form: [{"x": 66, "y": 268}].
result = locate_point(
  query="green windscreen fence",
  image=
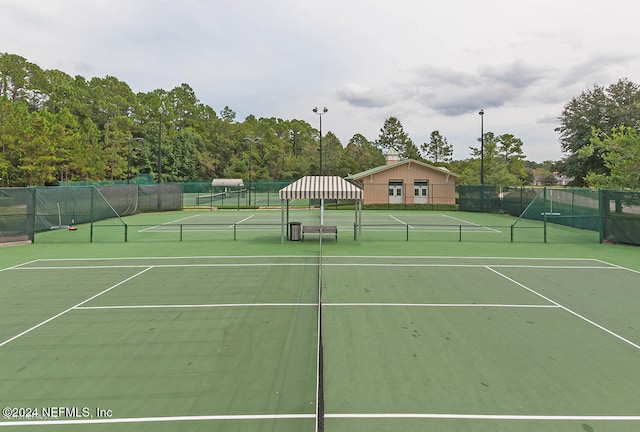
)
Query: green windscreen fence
[
  {"x": 61, "y": 207},
  {"x": 480, "y": 198},
  {"x": 574, "y": 207},
  {"x": 17, "y": 214},
  {"x": 621, "y": 217},
  {"x": 25, "y": 211}
]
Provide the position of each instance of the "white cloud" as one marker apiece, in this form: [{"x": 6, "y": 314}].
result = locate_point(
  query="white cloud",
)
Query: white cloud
[{"x": 431, "y": 64}]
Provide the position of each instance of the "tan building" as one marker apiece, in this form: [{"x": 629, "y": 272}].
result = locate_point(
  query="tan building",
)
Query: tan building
[{"x": 406, "y": 182}]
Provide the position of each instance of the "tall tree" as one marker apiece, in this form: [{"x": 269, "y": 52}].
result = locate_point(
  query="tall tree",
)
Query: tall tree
[
  {"x": 510, "y": 148},
  {"x": 495, "y": 168},
  {"x": 393, "y": 136},
  {"x": 620, "y": 151},
  {"x": 437, "y": 149},
  {"x": 597, "y": 108}
]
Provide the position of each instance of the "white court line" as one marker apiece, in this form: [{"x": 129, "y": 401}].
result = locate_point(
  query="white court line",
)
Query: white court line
[
  {"x": 155, "y": 419},
  {"x": 245, "y": 219},
  {"x": 326, "y": 256},
  {"x": 173, "y": 258},
  {"x": 469, "y": 223},
  {"x": 490, "y": 417},
  {"x": 18, "y": 265},
  {"x": 434, "y": 416},
  {"x": 170, "y": 266},
  {"x": 182, "y": 219},
  {"x": 449, "y": 305},
  {"x": 467, "y": 266},
  {"x": 212, "y": 305},
  {"x": 619, "y": 267},
  {"x": 73, "y": 307},
  {"x": 623, "y": 339},
  {"x": 168, "y": 223},
  {"x": 402, "y": 222}
]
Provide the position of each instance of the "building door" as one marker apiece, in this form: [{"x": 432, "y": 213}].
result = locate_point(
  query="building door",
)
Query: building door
[
  {"x": 395, "y": 192},
  {"x": 421, "y": 192}
]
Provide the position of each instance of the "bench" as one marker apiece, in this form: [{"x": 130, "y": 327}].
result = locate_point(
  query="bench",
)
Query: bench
[{"x": 316, "y": 229}]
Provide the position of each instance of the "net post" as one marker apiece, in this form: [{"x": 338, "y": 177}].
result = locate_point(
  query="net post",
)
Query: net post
[
  {"x": 126, "y": 232},
  {"x": 407, "y": 228},
  {"x": 460, "y": 233},
  {"x": 234, "y": 231},
  {"x": 91, "y": 217},
  {"x": 511, "y": 233},
  {"x": 181, "y": 232}
]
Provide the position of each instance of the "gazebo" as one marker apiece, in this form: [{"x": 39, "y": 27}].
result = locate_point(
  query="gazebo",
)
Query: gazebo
[{"x": 320, "y": 187}]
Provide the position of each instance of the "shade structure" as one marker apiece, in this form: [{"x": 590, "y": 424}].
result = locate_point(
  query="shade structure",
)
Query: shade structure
[
  {"x": 321, "y": 187},
  {"x": 227, "y": 182}
]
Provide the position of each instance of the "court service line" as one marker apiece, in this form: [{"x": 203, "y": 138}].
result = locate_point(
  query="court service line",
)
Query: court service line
[
  {"x": 167, "y": 223},
  {"x": 155, "y": 419},
  {"x": 211, "y": 305},
  {"x": 593, "y": 323},
  {"x": 402, "y": 222},
  {"x": 73, "y": 307},
  {"x": 449, "y": 305},
  {"x": 182, "y": 219},
  {"x": 18, "y": 265},
  {"x": 470, "y": 223},
  {"x": 239, "y": 222}
]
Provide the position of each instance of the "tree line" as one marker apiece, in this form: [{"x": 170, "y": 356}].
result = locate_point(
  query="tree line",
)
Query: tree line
[{"x": 56, "y": 128}]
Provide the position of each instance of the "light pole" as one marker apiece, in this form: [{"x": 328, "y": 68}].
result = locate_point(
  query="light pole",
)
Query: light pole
[
  {"x": 251, "y": 140},
  {"x": 324, "y": 111},
  {"x": 481, "y": 147},
  {"x": 129, "y": 156}
]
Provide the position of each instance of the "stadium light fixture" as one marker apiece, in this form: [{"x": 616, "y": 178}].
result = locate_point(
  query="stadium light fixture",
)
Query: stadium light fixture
[{"x": 320, "y": 113}]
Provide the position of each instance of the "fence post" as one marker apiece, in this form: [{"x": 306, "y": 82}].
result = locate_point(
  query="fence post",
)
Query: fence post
[
  {"x": 126, "y": 232},
  {"x": 544, "y": 217},
  {"x": 91, "y": 217},
  {"x": 234, "y": 231},
  {"x": 601, "y": 215},
  {"x": 460, "y": 233},
  {"x": 180, "y": 232},
  {"x": 407, "y": 227}
]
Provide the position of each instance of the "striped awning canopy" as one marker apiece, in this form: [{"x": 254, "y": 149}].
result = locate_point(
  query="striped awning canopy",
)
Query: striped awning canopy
[{"x": 318, "y": 187}]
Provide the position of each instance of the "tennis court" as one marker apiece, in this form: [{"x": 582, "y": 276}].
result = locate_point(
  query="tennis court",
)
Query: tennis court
[{"x": 231, "y": 342}]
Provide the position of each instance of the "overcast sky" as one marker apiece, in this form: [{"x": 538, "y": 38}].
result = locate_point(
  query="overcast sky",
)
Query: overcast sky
[{"x": 432, "y": 64}]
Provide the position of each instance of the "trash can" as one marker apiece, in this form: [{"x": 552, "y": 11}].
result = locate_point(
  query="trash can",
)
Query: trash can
[{"x": 295, "y": 229}]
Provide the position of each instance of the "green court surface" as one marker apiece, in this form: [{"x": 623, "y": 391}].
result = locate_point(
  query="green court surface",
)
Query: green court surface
[{"x": 223, "y": 335}]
